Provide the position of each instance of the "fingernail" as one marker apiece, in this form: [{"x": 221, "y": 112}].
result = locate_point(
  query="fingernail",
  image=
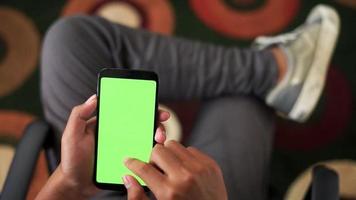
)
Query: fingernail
[
  {"x": 168, "y": 114},
  {"x": 91, "y": 99},
  {"x": 126, "y": 181},
  {"x": 161, "y": 135},
  {"x": 126, "y": 160}
]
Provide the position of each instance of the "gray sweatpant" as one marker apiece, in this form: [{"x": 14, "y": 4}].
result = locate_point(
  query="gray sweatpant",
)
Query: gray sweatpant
[{"x": 236, "y": 130}]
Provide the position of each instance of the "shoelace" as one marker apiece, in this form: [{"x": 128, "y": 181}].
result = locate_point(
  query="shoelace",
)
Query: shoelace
[{"x": 263, "y": 42}]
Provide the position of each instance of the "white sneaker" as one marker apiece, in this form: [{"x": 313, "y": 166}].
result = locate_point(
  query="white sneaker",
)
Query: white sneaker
[{"x": 308, "y": 49}]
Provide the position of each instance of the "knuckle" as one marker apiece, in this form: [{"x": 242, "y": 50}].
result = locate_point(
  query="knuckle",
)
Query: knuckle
[
  {"x": 170, "y": 143},
  {"x": 139, "y": 168},
  {"x": 156, "y": 149},
  {"x": 75, "y": 112},
  {"x": 214, "y": 166},
  {"x": 188, "y": 178},
  {"x": 200, "y": 169},
  {"x": 185, "y": 180},
  {"x": 144, "y": 168},
  {"x": 75, "y": 109},
  {"x": 203, "y": 169},
  {"x": 191, "y": 149}
]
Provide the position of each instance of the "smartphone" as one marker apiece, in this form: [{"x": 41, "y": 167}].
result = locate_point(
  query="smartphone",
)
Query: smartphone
[{"x": 126, "y": 122}]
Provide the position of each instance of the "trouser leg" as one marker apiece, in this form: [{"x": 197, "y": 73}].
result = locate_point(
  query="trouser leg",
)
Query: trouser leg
[
  {"x": 238, "y": 134},
  {"x": 76, "y": 48}
]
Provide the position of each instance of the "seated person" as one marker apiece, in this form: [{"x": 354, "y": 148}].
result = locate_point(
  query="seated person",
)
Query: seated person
[{"x": 235, "y": 128}]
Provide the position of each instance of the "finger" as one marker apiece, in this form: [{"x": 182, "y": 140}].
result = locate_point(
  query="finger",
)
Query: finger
[
  {"x": 80, "y": 114},
  {"x": 180, "y": 151},
  {"x": 91, "y": 125},
  {"x": 148, "y": 173},
  {"x": 134, "y": 189},
  {"x": 160, "y": 135},
  {"x": 163, "y": 115},
  {"x": 200, "y": 155},
  {"x": 165, "y": 160}
]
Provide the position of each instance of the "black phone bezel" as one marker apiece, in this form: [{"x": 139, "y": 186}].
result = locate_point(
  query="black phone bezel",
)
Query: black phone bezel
[{"x": 129, "y": 74}]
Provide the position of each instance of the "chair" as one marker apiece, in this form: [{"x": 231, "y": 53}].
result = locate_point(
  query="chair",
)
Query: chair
[{"x": 39, "y": 135}]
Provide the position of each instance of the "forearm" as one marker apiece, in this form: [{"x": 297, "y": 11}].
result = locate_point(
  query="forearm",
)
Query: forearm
[{"x": 58, "y": 188}]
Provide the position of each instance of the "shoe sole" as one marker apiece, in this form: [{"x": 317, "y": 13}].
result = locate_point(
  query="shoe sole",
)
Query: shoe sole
[{"x": 315, "y": 81}]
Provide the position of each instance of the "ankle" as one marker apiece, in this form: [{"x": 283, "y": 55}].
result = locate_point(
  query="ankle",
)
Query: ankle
[{"x": 282, "y": 62}]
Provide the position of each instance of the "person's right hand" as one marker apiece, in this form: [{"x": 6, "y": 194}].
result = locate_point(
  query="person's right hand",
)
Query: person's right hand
[{"x": 176, "y": 172}]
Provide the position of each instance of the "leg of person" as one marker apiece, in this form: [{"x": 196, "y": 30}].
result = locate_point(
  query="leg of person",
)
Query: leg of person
[
  {"x": 77, "y": 48},
  {"x": 238, "y": 134}
]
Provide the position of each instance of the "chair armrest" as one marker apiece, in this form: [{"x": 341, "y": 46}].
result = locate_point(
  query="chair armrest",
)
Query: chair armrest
[
  {"x": 325, "y": 184},
  {"x": 22, "y": 167}
]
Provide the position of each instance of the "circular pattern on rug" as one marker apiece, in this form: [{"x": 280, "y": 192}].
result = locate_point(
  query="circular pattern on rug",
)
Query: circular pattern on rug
[
  {"x": 272, "y": 17},
  {"x": 7, "y": 153},
  {"x": 154, "y": 15},
  {"x": 121, "y": 13},
  {"x": 349, "y": 3},
  {"x": 2, "y": 50},
  {"x": 346, "y": 170},
  {"x": 332, "y": 123},
  {"x": 244, "y": 4},
  {"x": 22, "y": 42},
  {"x": 13, "y": 123}
]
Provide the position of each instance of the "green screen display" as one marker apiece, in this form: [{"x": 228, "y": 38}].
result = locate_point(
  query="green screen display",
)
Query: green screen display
[{"x": 125, "y": 126}]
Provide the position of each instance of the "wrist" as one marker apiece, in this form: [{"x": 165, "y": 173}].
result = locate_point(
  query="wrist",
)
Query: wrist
[
  {"x": 69, "y": 187},
  {"x": 58, "y": 187}
]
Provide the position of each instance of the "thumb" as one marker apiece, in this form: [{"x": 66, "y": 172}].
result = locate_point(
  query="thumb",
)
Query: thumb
[{"x": 134, "y": 189}]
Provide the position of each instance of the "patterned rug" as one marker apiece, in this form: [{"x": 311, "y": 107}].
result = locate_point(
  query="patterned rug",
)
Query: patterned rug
[{"x": 329, "y": 135}]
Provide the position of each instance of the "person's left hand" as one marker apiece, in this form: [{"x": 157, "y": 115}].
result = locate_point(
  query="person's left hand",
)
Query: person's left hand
[{"x": 74, "y": 173}]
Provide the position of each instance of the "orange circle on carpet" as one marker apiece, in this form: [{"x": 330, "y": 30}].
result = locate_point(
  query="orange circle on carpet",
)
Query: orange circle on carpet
[
  {"x": 272, "y": 17},
  {"x": 22, "y": 42},
  {"x": 349, "y": 3},
  {"x": 13, "y": 123},
  {"x": 157, "y": 15}
]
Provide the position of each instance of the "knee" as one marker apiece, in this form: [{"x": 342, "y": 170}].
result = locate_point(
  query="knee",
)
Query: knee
[
  {"x": 73, "y": 41},
  {"x": 234, "y": 105},
  {"x": 59, "y": 43},
  {"x": 65, "y": 31},
  {"x": 242, "y": 108}
]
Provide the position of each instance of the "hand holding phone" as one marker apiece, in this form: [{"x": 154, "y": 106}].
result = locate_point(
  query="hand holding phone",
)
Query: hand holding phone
[{"x": 73, "y": 177}]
